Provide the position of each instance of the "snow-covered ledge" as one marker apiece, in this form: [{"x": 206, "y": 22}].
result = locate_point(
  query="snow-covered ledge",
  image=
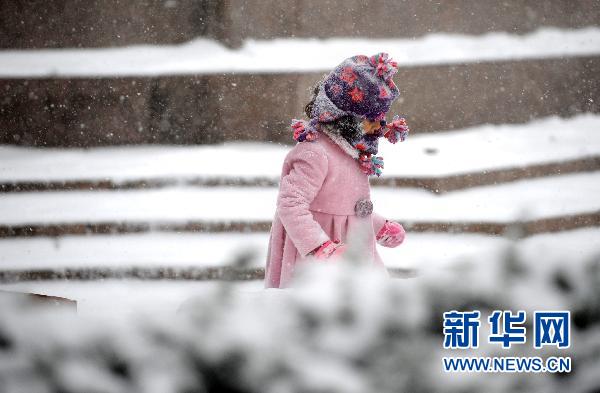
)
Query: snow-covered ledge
[{"x": 205, "y": 56}]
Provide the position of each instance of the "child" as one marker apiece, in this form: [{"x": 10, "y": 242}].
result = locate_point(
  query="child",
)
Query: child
[{"x": 324, "y": 192}]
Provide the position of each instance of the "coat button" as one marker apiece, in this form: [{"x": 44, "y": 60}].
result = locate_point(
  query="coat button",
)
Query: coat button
[{"x": 363, "y": 207}]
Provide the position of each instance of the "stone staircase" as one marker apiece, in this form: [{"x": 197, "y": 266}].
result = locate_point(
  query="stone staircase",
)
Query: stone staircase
[
  {"x": 208, "y": 109},
  {"x": 134, "y": 203}
]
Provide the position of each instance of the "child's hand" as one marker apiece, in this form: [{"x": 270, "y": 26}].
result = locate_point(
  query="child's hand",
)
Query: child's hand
[
  {"x": 391, "y": 234},
  {"x": 329, "y": 249}
]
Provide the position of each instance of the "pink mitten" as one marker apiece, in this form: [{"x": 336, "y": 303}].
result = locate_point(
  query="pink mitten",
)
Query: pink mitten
[
  {"x": 329, "y": 249},
  {"x": 391, "y": 234}
]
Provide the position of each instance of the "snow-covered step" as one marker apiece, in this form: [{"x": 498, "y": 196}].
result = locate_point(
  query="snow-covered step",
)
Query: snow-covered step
[
  {"x": 571, "y": 197},
  {"x": 286, "y": 55},
  {"x": 525, "y": 227},
  {"x": 202, "y": 250},
  {"x": 145, "y": 254},
  {"x": 421, "y": 252},
  {"x": 437, "y": 162},
  {"x": 115, "y": 298},
  {"x": 134, "y": 250},
  {"x": 541, "y": 198},
  {"x": 229, "y": 273}
]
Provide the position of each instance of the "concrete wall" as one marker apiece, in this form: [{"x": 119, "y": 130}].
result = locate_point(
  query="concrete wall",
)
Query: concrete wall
[
  {"x": 401, "y": 18},
  {"x": 104, "y": 23},
  {"x": 213, "y": 108},
  {"x": 101, "y": 23},
  {"x": 93, "y": 112}
]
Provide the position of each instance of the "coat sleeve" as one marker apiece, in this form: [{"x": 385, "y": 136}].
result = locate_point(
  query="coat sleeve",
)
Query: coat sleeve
[
  {"x": 308, "y": 168},
  {"x": 378, "y": 222}
]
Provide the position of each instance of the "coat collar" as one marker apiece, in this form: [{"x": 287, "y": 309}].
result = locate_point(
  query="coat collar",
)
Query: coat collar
[
  {"x": 369, "y": 163},
  {"x": 340, "y": 141}
]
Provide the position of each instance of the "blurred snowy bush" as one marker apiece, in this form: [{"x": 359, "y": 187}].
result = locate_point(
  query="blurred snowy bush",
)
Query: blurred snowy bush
[{"x": 342, "y": 328}]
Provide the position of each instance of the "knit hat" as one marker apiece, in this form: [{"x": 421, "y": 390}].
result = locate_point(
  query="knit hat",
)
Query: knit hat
[{"x": 360, "y": 86}]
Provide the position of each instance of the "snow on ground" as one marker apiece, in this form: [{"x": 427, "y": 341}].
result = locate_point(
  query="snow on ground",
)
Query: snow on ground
[
  {"x": 143, "y": 250},
  {"x": 524, "y": 199},
  {"x": 446, "y": 153},
  {"x": 141, "y": 162},
  {"x": 217, "y": 249},
  {"x": 206, "y": 56},
  {"x": 418, "y": 251},
  {"x": 119, "y": 298},
  {"x": 490, "y": 147},
  {"x": 424, "y": 252}
]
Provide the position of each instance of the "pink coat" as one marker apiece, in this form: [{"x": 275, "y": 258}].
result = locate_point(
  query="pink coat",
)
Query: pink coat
[{"x": 319, "y": 187}]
